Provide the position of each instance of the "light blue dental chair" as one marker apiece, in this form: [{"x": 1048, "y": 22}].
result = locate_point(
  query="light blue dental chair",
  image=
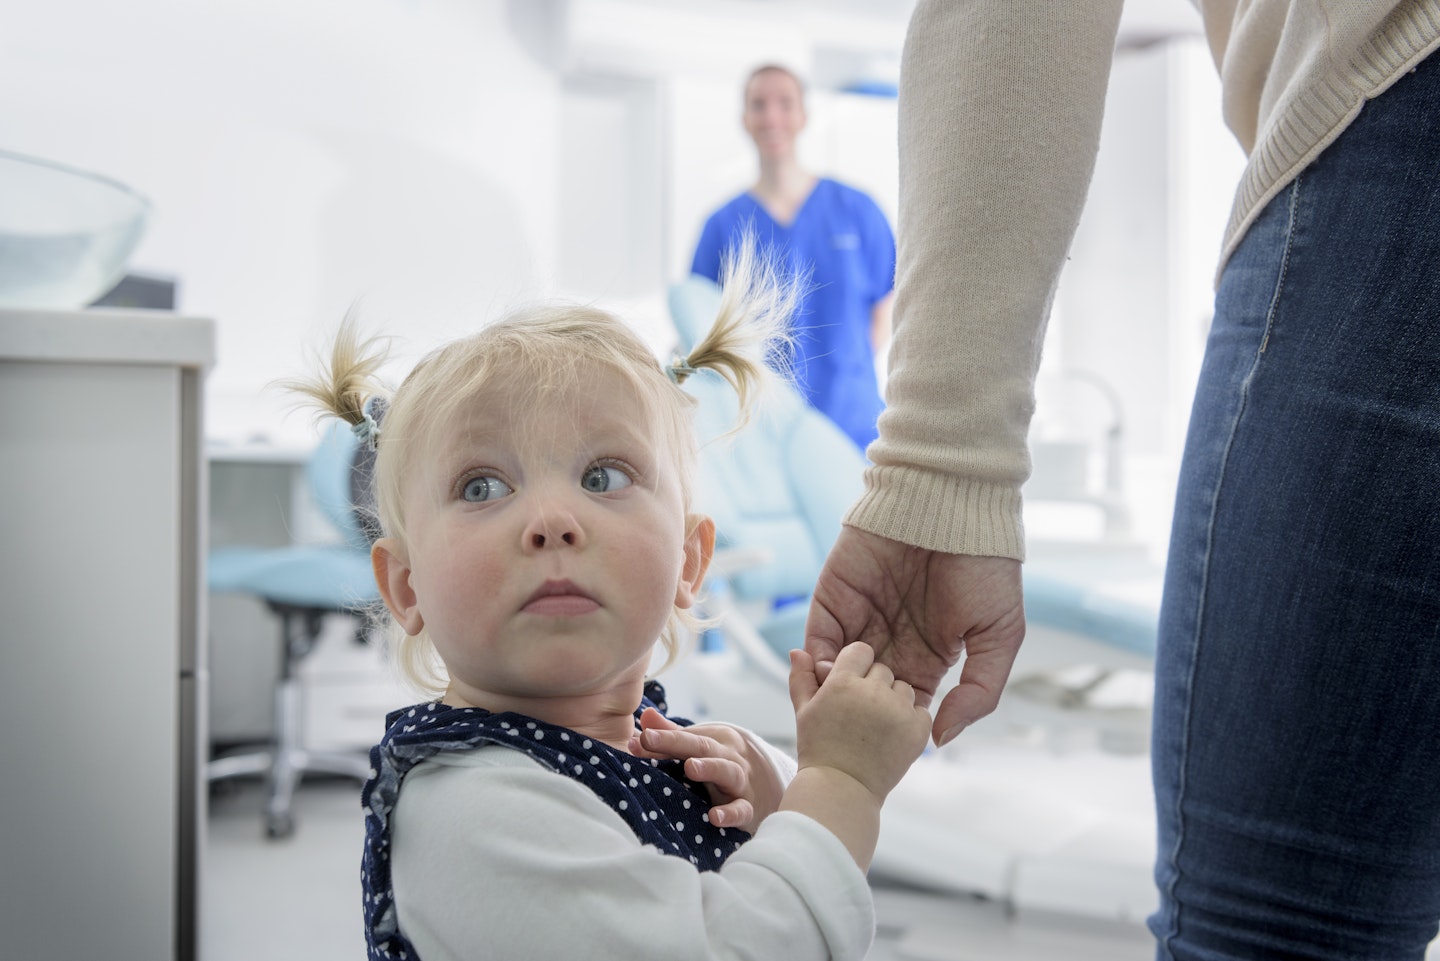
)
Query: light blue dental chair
[{"x": 303, "y": 584}]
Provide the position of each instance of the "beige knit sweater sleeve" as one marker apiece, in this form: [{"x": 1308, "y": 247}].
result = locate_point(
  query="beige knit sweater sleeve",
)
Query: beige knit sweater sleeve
[{"x": 1000, "y": 108}]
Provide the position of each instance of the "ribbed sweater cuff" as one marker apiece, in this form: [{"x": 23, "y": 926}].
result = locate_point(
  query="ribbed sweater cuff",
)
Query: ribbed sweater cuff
[{"x": 941, "y": 513}]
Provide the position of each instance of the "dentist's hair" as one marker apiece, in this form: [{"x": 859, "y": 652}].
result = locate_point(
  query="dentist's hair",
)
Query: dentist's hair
[
  {"x": 771, "y": 68},
  {"x": 542, "y": 351}
]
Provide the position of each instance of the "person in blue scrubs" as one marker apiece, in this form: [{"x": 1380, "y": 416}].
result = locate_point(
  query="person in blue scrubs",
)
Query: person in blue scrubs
[{"x": 831, "y": 234}]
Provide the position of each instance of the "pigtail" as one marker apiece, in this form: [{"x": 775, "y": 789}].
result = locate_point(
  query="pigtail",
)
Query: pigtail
[
  {"x": 347, "y": 386},
  {"x": 750, "y": 336}
]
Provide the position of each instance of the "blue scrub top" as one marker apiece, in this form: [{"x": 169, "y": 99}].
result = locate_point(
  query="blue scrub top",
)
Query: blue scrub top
[{"x": 841, "y": 242}]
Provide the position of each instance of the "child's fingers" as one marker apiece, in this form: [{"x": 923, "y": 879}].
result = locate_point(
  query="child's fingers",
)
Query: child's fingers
[
  {"x": 855, "y": 658},
  {"x": 732, "y": 813},
  {"x": 803, "y": 682},
  {"x": 651, "y": 719},
  {"x": 679, "y": 744},
  {"x": 652, "y": 726},
  {"x": 727, "y": 777}
]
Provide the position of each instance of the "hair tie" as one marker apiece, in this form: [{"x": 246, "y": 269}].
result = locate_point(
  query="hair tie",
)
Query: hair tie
[
  {"x": 368, "y": 427},
  {"x": 679, "y": 369}
]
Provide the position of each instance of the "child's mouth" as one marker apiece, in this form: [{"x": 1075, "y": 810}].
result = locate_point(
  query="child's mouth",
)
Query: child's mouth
[{"x": 560, "y": 599}]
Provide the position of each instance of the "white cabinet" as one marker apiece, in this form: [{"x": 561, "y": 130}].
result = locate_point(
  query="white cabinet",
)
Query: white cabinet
[{"x": 102, "y": 679}]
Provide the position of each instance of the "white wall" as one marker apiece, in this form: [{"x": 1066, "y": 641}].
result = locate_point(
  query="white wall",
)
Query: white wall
[
  {"x": 438, "y": 160},
  {"x": 1137, "y": 292},
  {"x": 302, "y": 154},
  {"x": 442, "y": 160}
]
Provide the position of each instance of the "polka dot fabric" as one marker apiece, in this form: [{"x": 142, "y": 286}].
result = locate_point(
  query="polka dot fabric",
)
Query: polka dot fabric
[{"x": 665, "y": 809}]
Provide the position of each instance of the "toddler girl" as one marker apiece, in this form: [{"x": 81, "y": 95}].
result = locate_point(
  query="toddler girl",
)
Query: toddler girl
[{"x": 532, "y": 485}]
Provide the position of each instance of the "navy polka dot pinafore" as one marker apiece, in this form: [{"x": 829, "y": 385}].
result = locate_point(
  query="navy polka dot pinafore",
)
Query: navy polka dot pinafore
[{"x": 665, "y": 809}]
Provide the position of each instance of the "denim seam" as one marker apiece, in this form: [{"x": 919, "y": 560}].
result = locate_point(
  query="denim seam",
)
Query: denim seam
[{"x": 1174, "y": 931}]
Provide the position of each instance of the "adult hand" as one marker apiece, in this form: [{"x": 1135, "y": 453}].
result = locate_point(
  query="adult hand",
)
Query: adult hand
[
  {"x": 920, "y": 610},
  {"x": 743, "y": 785}
]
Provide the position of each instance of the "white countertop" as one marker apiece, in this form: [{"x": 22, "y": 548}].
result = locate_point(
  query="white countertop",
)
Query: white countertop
[{"x": 108, "y": 335}]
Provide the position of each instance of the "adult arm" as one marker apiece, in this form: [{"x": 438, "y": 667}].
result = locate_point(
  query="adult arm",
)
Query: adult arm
[
  {"x": 1000, "y": 109},
  {"x": 501, "y": 858}
]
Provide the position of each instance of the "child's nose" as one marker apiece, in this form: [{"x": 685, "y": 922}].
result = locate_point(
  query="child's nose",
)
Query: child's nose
[
  {"x": 539, "y": 538},
  {"x": 553, "y": 525}
]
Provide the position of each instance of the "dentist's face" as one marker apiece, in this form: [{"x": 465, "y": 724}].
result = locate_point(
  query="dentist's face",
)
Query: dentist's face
[{"x": 774, "y": 113}]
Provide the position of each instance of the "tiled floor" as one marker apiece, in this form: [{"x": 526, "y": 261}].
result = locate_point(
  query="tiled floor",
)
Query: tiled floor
[
  {"x": 293, "y": 899},
  {"x": 299, "y": 898}
]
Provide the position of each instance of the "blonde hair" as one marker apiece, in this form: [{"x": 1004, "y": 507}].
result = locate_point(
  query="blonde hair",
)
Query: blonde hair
[{"x": 545, "y": 349}]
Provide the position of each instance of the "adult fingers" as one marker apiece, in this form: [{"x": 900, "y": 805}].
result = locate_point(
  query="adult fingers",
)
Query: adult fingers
[{"x": 981, "y": 681}]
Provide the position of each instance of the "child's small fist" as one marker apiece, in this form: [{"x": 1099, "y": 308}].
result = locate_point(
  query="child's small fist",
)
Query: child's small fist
[{"x": 861, "y": 721}]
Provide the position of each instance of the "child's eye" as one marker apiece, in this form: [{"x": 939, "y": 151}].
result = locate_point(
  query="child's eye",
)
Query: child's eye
[
  {"x": 486, "y": 488},
  {"x": 598, "y": 480}
]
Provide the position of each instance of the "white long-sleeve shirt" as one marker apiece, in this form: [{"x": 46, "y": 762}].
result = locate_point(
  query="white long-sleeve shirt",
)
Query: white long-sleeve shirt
[
  {"x": 1000, "y": 108},
  {"x": 495, "y": 856}
]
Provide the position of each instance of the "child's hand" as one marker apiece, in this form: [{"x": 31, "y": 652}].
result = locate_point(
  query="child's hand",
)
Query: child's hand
[
  {"x": 861, "y": 721},
  {"x": 743, "y": 785}
]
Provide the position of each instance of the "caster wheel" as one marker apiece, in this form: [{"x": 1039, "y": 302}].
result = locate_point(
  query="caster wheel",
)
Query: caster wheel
[{"x": 279, "y": 826}]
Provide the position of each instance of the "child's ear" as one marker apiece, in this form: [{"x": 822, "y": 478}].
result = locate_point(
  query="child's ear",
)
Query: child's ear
[
  {"x": 392, "y": 576},
  {"x": 699, "y": 549}
]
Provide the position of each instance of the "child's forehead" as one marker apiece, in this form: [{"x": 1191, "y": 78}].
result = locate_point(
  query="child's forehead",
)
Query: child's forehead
[{"x": 591, "y": 401}]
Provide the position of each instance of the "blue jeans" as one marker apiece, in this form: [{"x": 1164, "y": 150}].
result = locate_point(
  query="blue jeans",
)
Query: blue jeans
[{"x": 1297, "y": 716}]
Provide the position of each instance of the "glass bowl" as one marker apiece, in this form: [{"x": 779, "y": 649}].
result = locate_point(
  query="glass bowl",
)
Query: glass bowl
[{"x": 65, "y": 234}]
